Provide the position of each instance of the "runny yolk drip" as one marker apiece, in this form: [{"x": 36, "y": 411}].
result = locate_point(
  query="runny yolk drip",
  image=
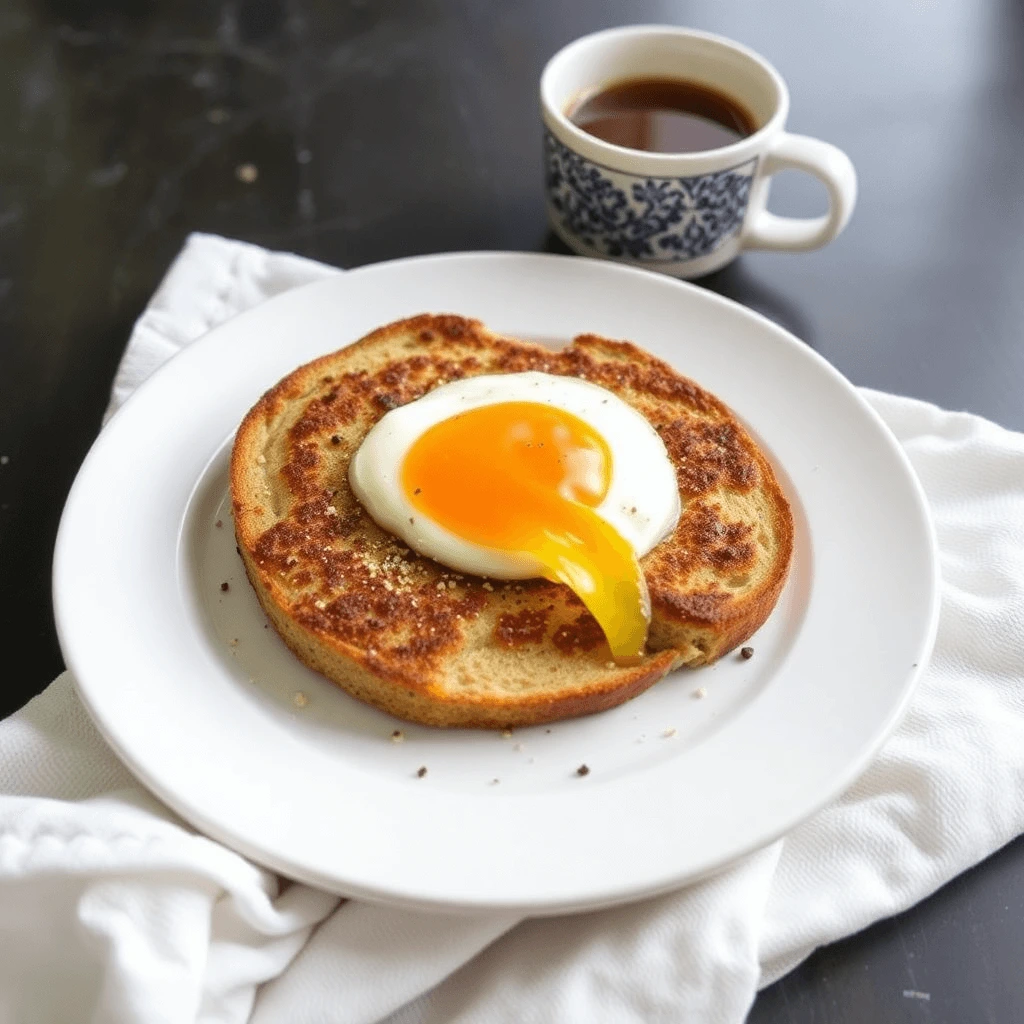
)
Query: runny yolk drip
[{"x": 522, "y": 477}]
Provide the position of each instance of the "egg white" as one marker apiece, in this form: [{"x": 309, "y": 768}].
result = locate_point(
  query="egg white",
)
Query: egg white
[{"x": 642, "y": 502}]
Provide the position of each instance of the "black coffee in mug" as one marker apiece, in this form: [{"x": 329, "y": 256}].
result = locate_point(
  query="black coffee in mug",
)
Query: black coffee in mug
[
  {"x": 634, "y": 166},
  {"x": 663, "y": 115}
]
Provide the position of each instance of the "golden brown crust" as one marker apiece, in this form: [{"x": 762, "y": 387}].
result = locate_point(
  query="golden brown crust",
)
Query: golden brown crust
[{"x": 431, "y": 645}]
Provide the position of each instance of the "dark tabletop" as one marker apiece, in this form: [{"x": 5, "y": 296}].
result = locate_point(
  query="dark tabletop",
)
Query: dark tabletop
[{"x": 383, "y": 128}]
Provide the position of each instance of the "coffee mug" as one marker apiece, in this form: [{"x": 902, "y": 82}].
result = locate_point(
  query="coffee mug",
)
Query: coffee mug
[{"x": 685, "y": 214}]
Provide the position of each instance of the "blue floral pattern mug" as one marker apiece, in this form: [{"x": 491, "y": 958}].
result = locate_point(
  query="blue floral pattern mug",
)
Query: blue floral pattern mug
[{"x": 685, "y": 214}]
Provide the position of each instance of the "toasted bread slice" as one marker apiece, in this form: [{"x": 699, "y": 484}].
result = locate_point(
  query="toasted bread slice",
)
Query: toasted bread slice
[{"x": 429, "y": 645}]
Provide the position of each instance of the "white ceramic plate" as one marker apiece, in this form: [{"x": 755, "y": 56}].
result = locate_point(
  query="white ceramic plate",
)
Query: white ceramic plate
[{"x": 320, "y": 793}]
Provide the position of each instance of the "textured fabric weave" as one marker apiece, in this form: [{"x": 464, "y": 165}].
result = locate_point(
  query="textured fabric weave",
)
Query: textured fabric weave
[{"x": 112, "y": 910}]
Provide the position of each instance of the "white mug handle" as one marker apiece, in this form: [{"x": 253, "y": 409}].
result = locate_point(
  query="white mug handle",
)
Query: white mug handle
[{"x": 832, "y": 167}]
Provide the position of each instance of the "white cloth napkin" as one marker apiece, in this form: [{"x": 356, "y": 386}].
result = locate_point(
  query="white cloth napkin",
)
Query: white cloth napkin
[{"x": 112, "y": 910}]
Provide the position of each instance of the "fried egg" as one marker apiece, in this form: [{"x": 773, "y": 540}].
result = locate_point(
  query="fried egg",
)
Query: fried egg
[{"x": 514, "y": 476}]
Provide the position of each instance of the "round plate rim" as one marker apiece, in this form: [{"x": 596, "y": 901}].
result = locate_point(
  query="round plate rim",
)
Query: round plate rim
[{"x": 543, "y": 904}]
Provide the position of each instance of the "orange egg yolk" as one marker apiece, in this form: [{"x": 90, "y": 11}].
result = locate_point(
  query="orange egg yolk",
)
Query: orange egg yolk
[{"x": 525, "y": 478}]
